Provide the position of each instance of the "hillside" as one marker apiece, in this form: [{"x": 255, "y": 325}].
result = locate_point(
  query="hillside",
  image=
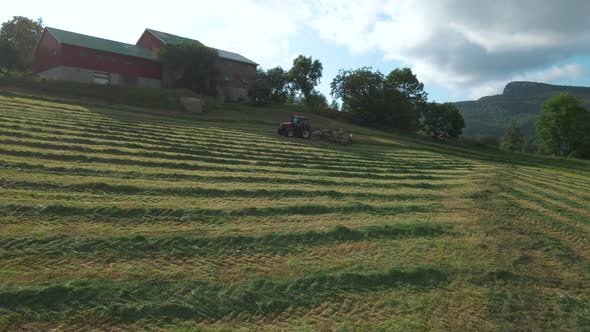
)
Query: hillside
[
  {"x": 130, "y": 219},
  {"x": 520, "y": 102}
]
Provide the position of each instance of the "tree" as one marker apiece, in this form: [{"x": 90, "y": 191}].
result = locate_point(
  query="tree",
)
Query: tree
[
  {"x": 361, "y": 92},
  {"x": 260, "y": 91},
  {"x": 564, "y": 127},
  {"x": 278, "y": 81},
  {"x": 22, "y": 34},
  {"x": 193, "y": 66},
  {"x": 408, "y": 84},
  {"x": 334, "y": 105},
  {"x": 513, "y": 138},
  {"x": 9, "y": 59},
  {"x": 270, "y": 86},
  {"x": 305, "y": 75},
  {"x": 379, "y": 101},
  {"x": 316, "y": 101},
  {"x": 443, "y": 121}
]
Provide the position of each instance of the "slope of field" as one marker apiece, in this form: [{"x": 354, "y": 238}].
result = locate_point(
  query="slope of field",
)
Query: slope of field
[
  {"x": 112, "y": 219},
  {"x": 520, "y": 103}
]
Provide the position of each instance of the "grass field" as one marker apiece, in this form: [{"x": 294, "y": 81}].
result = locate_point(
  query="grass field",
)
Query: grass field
[{"x": 112, "y": 219}]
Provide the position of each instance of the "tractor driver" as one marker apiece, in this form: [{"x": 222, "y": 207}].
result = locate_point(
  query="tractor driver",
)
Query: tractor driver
[{"x": 295, "y": 120}]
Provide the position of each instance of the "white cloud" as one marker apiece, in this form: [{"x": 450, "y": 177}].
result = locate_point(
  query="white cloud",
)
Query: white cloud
[
  {"x": 552, "y": 74},
  {"x": 569, "y": 71},
  {"x": 463, "y": 44},
  {"x": 346, "y": 22},
  {"x": 258, "y": 29}
]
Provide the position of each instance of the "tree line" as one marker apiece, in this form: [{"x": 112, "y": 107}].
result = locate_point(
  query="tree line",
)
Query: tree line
[
  {"x": 295, "y": 86},
  {"x": 396, "y": 101}
]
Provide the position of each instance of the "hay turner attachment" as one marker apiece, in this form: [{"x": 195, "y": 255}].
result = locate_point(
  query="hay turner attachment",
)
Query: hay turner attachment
[
  {"x": 333, "y": 135},
  {"x": 300, "y": 126}
]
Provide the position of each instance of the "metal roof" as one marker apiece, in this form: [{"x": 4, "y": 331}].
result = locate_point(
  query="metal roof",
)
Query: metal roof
[
  {"x": 234, "y": 56},
  {"x": 76, "y": 39},
  {"x": 171, "y": 39}
]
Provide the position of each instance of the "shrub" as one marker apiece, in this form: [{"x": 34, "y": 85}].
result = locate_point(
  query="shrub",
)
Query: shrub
[{"x": 513, "y": 139}]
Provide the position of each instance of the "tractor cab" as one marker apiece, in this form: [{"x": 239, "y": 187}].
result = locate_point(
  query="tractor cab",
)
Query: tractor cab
[
  {"x": 298, "y": 126},
  {"x": 299, "y": 121}
]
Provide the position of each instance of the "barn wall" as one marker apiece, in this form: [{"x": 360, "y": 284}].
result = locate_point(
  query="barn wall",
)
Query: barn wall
[
  {"x": 85, "y": 58},
  {"x": 236, "y": 74},
  {"x": 235, "y": 78},
  {"x": 48, "y": 53},
  {"x": 81, "y": 75},
  {"x": 228, "y": 94},
  {"x": 145, "y": 82}
]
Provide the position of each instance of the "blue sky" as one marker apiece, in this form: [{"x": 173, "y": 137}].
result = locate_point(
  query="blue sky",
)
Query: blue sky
[{"x": 460, "y": 49}]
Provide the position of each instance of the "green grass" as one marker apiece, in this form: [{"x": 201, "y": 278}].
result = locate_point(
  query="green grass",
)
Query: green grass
[
  {"x": 114, "y": 218},
  {"x": 95, "y": 94}
]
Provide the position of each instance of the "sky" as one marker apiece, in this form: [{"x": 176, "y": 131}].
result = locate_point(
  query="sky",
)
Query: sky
[{"x": 460, "y": 49}]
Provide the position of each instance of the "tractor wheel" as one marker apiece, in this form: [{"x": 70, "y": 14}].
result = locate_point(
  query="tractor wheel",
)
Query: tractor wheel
[
  {"x": 306, "y": 133},
  {"x": 290, "y": 133}
]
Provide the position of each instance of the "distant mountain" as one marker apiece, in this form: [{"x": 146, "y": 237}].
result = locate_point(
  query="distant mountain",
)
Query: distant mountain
[{"x": 521, "y": 102}]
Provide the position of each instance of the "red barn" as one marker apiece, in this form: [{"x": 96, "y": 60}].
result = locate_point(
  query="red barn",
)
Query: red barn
[
  {"x": 236, "y": 70},
  {"x": 69, "y": 56}
]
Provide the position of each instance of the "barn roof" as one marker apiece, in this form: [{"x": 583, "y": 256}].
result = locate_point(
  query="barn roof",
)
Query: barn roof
[
  {"x": 77, "y": 39},
  {"x": 171, "y": 39}
]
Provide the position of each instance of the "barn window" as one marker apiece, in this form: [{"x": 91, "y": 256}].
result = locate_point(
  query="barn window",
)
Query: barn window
[
  {"x": 102, "y": 78},
  {"x": 113, "y": 59},
  {"x": 83, "y": 53},
  {"x": 99, "y": 57}
]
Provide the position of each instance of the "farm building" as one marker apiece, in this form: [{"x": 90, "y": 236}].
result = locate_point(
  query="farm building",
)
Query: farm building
[
  {"x": 236, "y": 71},
  {"x": 69, "y": 56}
]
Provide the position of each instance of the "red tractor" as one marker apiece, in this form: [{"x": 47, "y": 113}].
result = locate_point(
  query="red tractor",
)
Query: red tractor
[{"x": 298, "y": 126}]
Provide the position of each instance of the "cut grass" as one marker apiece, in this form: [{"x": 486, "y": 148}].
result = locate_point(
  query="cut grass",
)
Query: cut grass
[
  {"x": 140, "y": 245},
  {"x": 192, "y": 300},
  {"x": 137, "y": 219}
]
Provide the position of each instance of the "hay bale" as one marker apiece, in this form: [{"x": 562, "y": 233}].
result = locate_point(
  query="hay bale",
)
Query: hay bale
[{"x": 193, "y": 105}]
